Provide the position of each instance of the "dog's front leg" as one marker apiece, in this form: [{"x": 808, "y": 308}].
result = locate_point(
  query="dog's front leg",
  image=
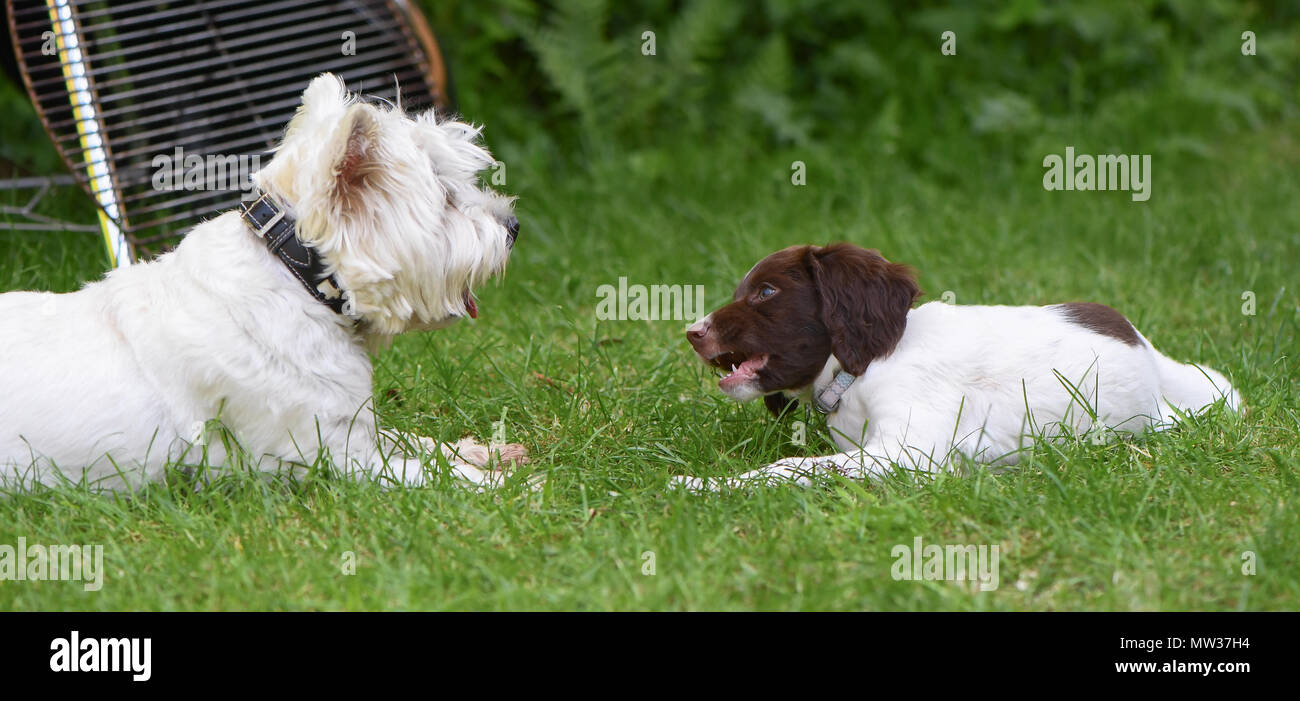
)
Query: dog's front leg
[
  {"x": 469, "y": 452},
  {"x": 408, "y": 460},
  {"x": 858, "y": 464},
  {"x": 474, "y": 462}
]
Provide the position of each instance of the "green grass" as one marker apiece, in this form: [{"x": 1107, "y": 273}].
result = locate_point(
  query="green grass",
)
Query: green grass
[{"x": 610, "y": 409}]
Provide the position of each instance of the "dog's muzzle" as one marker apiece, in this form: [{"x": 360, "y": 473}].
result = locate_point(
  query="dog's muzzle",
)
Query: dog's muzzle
[{"x": 512, "y": 230}]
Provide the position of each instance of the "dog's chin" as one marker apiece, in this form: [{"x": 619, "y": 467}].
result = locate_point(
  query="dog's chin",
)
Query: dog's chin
[
  {"x": 467, "y": 307},
  {"x": 462, "y": 307},
  {"x": 745, "y": 391}
]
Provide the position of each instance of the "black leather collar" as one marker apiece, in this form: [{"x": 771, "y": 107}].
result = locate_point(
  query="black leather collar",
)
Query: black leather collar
[{"x": 279, "y": 231}]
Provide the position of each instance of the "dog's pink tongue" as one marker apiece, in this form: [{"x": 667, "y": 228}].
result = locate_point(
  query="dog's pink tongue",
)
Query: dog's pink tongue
[
  {"x": 470, "y": 305},
  {"x": 744, "y": 372}
]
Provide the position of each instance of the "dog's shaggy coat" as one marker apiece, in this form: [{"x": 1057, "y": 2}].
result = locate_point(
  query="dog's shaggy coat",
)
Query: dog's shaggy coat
[{"x": 112, "y": 383}]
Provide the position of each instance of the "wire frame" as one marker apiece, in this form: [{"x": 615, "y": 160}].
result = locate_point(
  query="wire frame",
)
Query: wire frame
[{"x": 157, "y": 106}]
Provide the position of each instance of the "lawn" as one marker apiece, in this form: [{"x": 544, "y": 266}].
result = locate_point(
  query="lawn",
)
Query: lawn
[{"x": 611, "y": 409}]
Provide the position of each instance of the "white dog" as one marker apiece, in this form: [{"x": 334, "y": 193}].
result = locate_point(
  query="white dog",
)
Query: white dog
[
  {"x": 923, "y": 388},
  {"x": 371, "y": 223}
]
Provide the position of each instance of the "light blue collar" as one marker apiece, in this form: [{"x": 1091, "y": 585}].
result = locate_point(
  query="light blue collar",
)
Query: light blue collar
[{"x": 828, "y": 400}]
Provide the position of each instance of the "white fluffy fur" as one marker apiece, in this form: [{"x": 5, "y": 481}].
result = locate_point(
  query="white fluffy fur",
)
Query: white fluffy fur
[
  {"x": 111, "y": 383},
  {"x": 983, "y": 382}
]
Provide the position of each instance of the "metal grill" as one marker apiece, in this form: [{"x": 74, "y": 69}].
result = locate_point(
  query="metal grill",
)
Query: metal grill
[{"x": 119, "y": 83}]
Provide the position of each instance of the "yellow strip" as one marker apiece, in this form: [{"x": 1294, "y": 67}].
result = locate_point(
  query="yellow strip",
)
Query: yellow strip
[{"x": 119, "y": 249}]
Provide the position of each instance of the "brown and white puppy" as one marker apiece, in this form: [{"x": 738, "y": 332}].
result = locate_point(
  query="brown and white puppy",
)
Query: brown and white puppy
[{"x": 917, "y": 387}]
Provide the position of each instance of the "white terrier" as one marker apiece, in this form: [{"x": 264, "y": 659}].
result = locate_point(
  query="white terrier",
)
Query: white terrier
[{"x": 261, "y": 323}]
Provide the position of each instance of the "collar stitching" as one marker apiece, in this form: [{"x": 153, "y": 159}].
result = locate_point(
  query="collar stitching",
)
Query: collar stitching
[{"x": 271, "y": 223}]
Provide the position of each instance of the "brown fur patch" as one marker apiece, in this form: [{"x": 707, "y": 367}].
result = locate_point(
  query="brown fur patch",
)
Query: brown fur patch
[{"x": 1101, "y": 319}]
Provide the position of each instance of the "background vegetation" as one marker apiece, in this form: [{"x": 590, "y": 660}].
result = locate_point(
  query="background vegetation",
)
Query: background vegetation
[{"x": 570, "y": 79}]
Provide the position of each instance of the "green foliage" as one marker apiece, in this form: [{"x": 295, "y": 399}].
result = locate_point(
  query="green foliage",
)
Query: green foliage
[
  {"x": 793, "y": 71},
  {"x": 568, "y": 80}
]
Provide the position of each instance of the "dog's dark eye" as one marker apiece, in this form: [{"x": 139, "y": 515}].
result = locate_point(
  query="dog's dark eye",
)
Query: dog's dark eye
[{"x": 766, "y": 291}]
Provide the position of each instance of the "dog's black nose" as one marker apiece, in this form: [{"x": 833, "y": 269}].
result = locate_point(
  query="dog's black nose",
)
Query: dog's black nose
[{"x": 512, "y": 226}]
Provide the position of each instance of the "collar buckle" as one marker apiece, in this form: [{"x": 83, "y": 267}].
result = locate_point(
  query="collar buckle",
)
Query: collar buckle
[
  {"x": 828, "y": 400},
  {"x": 272, "y": 224},
  {"x": 253, "y": 216}
]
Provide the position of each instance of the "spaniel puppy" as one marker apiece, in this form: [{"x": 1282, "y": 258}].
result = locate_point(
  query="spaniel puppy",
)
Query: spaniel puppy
[{"x": 917, "y": 388}]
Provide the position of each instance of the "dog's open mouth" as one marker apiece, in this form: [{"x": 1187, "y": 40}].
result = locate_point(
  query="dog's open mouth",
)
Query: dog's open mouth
[
  {"x": 738, "y": 367},
  {"x": 471, "y": 306}
]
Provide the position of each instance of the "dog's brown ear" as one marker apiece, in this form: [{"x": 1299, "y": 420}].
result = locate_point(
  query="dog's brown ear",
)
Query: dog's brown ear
[
  {"x": 779, "y": 403},
  {"x": 356, "y": 151},
  {"x": 864, "y": 301}
]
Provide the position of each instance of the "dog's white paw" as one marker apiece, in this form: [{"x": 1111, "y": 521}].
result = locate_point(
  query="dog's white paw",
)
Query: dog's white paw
[
  {"x": 484, "y": 466},
  {"x": 783, "y": 469},
  {"x": 788, "y": 471},
  {"x": 495, "y": 456},
  {"x": 509, "y": 454}
]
